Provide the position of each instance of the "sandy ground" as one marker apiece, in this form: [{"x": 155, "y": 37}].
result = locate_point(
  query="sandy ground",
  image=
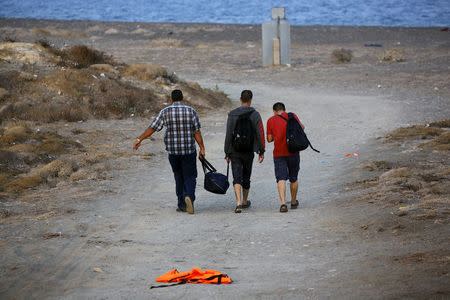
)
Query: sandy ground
[{"x": 126, "y": 224}]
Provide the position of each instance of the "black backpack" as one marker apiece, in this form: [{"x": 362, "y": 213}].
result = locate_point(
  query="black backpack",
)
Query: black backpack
[
  {"x": 295, "y": 135},
  {"x": 243, "y": 134}
]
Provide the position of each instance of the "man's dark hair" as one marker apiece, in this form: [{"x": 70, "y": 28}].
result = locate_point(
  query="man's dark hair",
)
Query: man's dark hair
[
  {"x": 177, "y": 95},
  {"x": 279, "y": 106},
  {"x": 246, "y": 96}
]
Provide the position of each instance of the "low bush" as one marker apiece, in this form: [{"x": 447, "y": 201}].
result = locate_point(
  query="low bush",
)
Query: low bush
[
  {"x": 418, "y": 131},
  {"x": 145, "y": 71},
  {"x": 23, "y": 183},
  {"x": 440, "y": 143},
  {"x": 393, "y": 55},
  {"x": 441, "y": 124},
  {"x": 78, "y": 56},
  {"x": 342, "y": 55}
]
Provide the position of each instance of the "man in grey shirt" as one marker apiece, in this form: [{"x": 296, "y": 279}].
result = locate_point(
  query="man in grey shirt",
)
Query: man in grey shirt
[{"x": 243, "y": 121}]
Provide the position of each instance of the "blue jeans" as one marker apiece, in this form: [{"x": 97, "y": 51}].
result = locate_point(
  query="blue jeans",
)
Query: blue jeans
[{"x": 184, "y": 169}]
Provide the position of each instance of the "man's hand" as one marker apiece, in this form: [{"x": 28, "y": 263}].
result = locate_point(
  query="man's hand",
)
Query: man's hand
[
  {"x": 227, "y": 159},
  {"x": 201, "y": 153},
  {"x": 261, "y": 158},
  {"x": 137, "y": 144}
]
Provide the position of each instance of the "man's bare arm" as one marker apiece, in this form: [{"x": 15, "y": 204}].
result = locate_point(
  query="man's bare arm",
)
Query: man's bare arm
[
  {"x": 199, "y": 139},
  {"x": 145, "y": 135}
]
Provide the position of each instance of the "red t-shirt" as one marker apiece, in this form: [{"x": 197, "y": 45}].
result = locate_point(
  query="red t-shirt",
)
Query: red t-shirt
[{"x": 276, "y": 127}]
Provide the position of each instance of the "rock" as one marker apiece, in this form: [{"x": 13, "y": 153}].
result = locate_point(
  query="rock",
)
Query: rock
[{"x": 112, "y": 31}]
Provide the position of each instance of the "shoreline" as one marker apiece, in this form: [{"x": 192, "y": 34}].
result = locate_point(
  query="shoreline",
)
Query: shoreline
[{"x": 295, "y": 26}]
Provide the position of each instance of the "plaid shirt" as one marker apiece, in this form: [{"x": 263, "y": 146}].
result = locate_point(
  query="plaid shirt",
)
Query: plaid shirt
[{"x": 181, "y": 122}]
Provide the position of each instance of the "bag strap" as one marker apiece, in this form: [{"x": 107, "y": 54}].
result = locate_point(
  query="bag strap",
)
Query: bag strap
[
  {"x": 311, "y": 146},
  {"x": 292, "y": 116},
  {"x": 206, "y": 165},
  {"x": 167, "y": 285},
  {"x": 228, "y": 169}
]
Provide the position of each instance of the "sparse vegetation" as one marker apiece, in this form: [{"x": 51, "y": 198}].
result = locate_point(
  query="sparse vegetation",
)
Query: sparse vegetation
[
  {"x": 417, "y": 187},
  {"x": 90, "y": 85},
  {"x": 81, "y": 56},
  {"x": 145, "y": 71},
  {"x": 417, "y": 131},
  {"x": 393, "y": 55},
  {"x": 441, "y": 123},
  {"x": 23, "y": 183},
  {"x": 440, "y": 143},
  {"x": 342, "y": 55},
  {"x": 28, "y": 158}
]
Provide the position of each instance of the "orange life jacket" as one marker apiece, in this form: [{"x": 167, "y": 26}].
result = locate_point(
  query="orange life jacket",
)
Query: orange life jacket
[{"x": 195, "y": 275}]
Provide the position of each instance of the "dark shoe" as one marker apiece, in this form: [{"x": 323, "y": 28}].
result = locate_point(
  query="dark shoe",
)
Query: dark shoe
[
  {"x": 283, "y": 208},
  {"x": 247, "y": 205},
  {"x": 238, "y": 209},
  {"x": 294, "y": 205},
  {"x": 181, "y": 209},
  {"x": 189, "y": 205}
]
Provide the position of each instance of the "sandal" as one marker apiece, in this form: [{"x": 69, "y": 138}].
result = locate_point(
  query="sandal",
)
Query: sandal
[
  {"x": 238, "y": 209},
  {"x": 283, "y": 208},
  {"x": 247, "y": 205},
  {"x": 294, "y": 205}
]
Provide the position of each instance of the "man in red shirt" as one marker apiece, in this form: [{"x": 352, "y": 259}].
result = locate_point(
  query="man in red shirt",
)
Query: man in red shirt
[{"x": 287, "y": 164}]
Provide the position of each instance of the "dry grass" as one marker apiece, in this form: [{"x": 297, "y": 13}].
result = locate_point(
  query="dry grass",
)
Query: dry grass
[
  {"x": 15, "y": 134},
  {"x": 440, "y": 143},
  {"x": 82, "y": 174},
  {"x": 22, "y": 152},
  {"x": 377, "y": 165},
  {"x": 49, "y": 113},
  {"x": 56, "y": 168},
  {"x": 4, "y": 178},
  {"x": 80, "y": 56},
  {"x": 40, "y": 32},
  {"x": 393, "y": 55},
  {"x": 145, "y": 71},
  {"x": 23, "y": 183},
  {"x": 417, "y": 131},
  {"x": 441, "y": 124},
  {"x": 402, "y": 172},
  {"x": 342, "y": 55}
]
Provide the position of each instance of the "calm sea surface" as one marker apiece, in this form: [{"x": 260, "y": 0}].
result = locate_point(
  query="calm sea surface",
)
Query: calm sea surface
[{"x": 311, "y": 12}]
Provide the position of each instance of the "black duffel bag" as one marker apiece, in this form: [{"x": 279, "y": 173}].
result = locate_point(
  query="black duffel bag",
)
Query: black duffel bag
[{"x": 214, "y": 182}]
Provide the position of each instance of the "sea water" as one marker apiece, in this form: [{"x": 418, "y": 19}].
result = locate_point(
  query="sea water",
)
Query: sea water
[{"x": 421, "y": 13}]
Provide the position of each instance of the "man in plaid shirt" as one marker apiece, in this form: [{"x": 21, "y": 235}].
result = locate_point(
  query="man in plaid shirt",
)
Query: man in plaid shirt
[{"x": 182, "y": 131}]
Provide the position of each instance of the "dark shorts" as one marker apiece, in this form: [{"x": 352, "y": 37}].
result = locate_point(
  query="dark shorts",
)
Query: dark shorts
[
  {"x": 241, "y": 167},
  {"x": 287, "y": 167}
]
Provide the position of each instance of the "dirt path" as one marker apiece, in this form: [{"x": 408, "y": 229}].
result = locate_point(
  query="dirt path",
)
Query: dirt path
[{"x": 132, "y": 232}]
